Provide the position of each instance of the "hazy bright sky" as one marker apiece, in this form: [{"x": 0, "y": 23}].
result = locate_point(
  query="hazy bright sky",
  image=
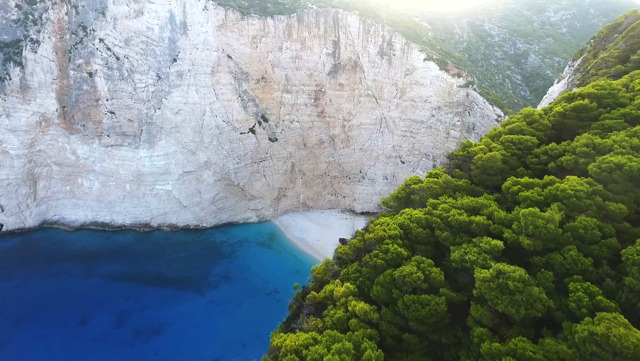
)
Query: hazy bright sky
[
  {"x": 442, "y": 6},
  {"x": 437, "y": 5}
]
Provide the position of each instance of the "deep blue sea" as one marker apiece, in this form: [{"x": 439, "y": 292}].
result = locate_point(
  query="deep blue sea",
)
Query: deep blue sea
[{"x": 186, "y": 295}]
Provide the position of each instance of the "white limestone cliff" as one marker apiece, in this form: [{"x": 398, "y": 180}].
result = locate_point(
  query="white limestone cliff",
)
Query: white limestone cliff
[
  {"x": 178, "y": 112},
  {"x": 566, "y": 82}
]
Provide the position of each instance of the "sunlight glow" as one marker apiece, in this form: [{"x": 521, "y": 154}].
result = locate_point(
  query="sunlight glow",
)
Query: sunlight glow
[{"x": 438, "y": 6}]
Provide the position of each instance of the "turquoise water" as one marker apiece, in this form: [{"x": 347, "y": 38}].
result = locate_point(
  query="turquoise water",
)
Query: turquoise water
[{"x": 187, "y": 295}]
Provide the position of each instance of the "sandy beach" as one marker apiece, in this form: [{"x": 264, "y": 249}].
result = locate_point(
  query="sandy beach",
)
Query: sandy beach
[{"x": 318, "y": 232}]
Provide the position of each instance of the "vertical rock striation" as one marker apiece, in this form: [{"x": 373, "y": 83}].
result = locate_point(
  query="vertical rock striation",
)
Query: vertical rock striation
[{"x": 178, "y": 112}]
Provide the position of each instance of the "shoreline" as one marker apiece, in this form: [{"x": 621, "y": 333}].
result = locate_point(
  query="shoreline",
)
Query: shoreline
[
  {"x": 318, "y": 232},
  {"x": 315, "y": 232},
  {"x": 107, "y": 227}
]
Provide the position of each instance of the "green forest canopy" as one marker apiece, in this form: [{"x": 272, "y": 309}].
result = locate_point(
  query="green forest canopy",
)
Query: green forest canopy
[{"x": 525, "y": 248}]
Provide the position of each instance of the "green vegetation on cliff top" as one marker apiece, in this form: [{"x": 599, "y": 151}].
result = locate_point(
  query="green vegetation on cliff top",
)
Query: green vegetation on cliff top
[{"x": 526, "y": 247}]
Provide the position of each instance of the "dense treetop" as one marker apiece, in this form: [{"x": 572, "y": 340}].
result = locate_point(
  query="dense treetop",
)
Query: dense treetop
[{"x": 526, "y": 247}]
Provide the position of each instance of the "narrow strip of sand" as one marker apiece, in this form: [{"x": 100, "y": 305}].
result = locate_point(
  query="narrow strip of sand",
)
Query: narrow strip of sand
[{"x": 318, "y": 232}]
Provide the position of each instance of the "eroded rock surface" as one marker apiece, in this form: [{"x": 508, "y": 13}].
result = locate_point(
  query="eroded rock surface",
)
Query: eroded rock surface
[
  {"x": 567, "y": 82},
  {"x": 178, "y": 112}
]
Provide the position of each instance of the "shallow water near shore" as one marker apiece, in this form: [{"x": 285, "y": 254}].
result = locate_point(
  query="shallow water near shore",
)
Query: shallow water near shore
[{"x": 126, "y": 295}]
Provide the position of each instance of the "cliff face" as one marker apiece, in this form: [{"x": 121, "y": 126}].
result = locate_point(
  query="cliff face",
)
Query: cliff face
[
  {"x": 568, "y": 81},
  {"x": 512, "y": 49},
  {"x": 178, "y": 112}
]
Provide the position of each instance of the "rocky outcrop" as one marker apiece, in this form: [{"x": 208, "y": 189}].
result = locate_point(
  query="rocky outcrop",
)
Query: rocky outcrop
[
  {"x": 568, "y": 81},
  {"x": 178, "y": 112}
]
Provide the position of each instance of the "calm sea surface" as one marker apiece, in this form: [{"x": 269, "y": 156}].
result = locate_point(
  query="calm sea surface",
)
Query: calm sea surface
[{"x": 187, "y": 295}]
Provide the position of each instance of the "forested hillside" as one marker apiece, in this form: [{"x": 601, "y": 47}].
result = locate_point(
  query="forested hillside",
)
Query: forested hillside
[
  {"x": 510, "y": 50},
  {"x": 613, "y": 53},
  {"x": 526, "y": 247}
]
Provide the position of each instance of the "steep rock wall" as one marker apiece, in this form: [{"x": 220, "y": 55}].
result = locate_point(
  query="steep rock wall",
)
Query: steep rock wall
[
  {"x": 178, "y": 112},
  {"x": 568, "y": 81}
]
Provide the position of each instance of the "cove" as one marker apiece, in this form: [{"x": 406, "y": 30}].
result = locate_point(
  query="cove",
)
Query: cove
[{"x": 126, "y": 295}]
